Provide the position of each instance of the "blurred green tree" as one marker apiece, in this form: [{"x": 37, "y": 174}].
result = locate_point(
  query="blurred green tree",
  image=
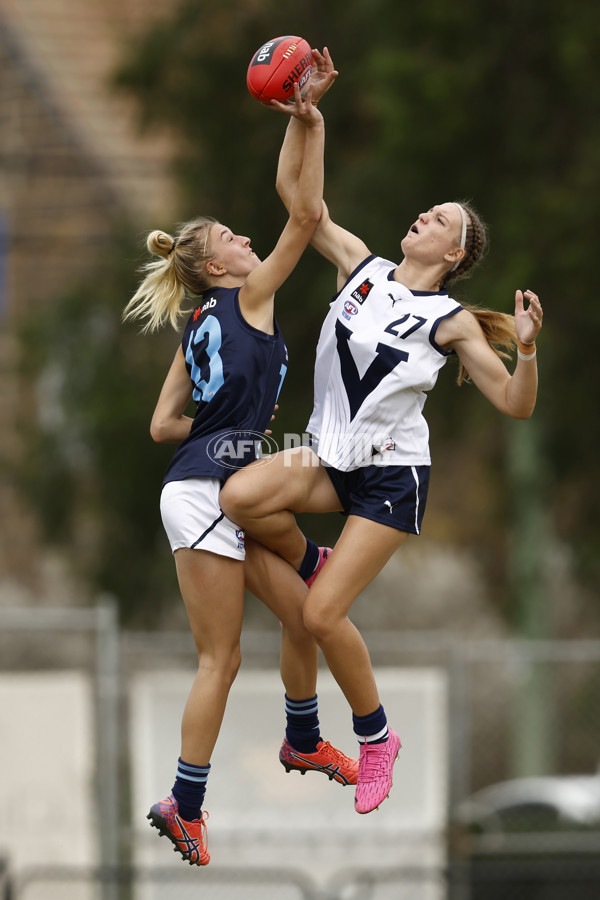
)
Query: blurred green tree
[
  {"x": 88, "y": 469},
  {"x": 493, "y": 102}
]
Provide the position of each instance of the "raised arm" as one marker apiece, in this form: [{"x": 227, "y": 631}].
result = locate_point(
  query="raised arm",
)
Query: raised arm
[
  {"x": 292, "y": 151},
  {"x": 339, "y": 246},
  {"x": 257, "y": 294}
]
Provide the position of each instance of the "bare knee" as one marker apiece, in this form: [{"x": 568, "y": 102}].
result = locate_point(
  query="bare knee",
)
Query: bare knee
[
  {"x": 233, "y": 665},
  {"x": 235, "y": 662},
  {"x": 272, "y": 484},
  {"x": 232, "y": 498},
  {"x": 318, "y": 622},
  {"x": 222, "y": 667},
  {"x": 237, "y": 496}
]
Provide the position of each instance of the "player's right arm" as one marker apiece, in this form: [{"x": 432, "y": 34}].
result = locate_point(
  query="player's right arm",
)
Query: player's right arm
[
  {"x": 169, "y": 423},
  {"x": 340, "y": 247}
]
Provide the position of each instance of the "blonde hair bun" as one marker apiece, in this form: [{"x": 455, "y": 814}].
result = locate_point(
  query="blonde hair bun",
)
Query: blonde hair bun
[
  {"x": 167, "y": 281},
  {"x": 159, "y": 243}
]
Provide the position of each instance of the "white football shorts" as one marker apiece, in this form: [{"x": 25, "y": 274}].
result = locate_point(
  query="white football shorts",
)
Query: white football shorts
[{"x": 192, "y": 518}]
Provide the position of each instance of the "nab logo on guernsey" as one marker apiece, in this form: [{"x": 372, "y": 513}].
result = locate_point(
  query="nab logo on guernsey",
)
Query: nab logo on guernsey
[
  {"x": 208, "y": 305},
  {"x": 236, "y": 449},
  {"x": 361, "y": 293},
  {"x": 349, "y": 309}
]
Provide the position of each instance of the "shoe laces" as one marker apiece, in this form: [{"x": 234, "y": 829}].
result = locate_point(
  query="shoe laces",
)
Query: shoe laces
[
  {"x": 373, "y": 761},
  {"x": 203, "y": 829},
  {"x": 335, "y": 753}
]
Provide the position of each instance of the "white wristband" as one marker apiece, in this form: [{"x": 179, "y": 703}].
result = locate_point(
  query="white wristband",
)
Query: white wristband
[{"x": 526, "y": 356}]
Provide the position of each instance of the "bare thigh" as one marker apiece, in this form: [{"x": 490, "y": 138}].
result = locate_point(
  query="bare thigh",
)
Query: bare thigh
[
  {"x": 363, "y": 549},
  {"x": 212, "y": 588},
  {"x": 361, "y": 552},
  {"x": 290, "y": 480}
]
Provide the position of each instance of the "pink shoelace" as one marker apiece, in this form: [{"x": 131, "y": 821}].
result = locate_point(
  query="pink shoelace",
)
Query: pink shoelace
[{"x": 373, "y": 761}]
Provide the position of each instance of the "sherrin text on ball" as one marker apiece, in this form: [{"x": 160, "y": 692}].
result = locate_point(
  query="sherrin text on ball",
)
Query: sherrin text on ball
[{"x": 276, "y": 66}]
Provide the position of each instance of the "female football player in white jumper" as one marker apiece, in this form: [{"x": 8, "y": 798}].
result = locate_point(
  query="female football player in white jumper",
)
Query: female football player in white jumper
[
  {"x": 389, "y": 330},
  {"x": 231, "y": 361}
]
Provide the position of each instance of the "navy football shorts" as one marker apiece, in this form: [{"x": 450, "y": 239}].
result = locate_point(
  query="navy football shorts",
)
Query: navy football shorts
[{"x": 391, "y": 495}]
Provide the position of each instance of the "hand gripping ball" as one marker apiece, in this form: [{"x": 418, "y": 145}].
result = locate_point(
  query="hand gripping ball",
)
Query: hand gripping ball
[{"x": 276, "y": 66}]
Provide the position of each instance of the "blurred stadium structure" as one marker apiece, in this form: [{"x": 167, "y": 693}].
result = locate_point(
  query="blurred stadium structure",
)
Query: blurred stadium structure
[
  {"x": 90, "y": 701},
  {"x": 72, "y": 167}
]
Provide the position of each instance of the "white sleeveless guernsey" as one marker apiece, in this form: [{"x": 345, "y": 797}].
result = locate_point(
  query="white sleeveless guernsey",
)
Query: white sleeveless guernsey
[{"x": 376, "y": 358}]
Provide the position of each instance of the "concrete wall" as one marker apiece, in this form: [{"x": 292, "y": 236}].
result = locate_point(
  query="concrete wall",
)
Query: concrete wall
[{"x": 47, "y": 766}]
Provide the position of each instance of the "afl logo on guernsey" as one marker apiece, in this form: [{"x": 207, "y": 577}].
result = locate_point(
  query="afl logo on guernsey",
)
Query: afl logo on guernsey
[
  {"x": 361, "y": 293},
  {"x": 349, "y": 309}
]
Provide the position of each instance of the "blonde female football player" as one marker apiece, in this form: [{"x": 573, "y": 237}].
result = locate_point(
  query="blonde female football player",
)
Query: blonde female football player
[
  {"x": 390, "y": 328},
  {"x": 231, "y": 361}
]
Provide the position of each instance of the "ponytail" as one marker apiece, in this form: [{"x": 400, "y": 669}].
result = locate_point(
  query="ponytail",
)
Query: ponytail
[
  {"x": 178, "y": 275},
  {"x": 499, "y": 331}
]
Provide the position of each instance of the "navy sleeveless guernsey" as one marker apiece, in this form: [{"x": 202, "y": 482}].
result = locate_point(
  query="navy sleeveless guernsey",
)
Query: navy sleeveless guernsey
[{"x": 236, "y": 373}]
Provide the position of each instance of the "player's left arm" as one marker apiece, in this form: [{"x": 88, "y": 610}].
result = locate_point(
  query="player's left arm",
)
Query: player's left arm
[
  {"x": 169, "y": 423},
  {"x": 257, "y": 293},
  {"x": 292, "y": 150},
  {"x": 514, "y": 395}
]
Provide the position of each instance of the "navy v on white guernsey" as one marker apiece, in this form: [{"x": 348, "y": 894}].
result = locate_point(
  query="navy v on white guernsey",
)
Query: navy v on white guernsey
[
  {"x": 236, "y": 373},
  {"x": 376, "y": 358}
]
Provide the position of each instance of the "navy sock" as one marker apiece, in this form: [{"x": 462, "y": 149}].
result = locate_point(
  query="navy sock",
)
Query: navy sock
[
  {"x": 310, "y": 561},
  {"x": 189, "y": 789},
  {"x": 302, "y": 730},
  {"x": 371, "y": 729}
]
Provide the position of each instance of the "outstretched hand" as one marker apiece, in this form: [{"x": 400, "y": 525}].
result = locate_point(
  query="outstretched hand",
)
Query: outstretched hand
[
  {"x": 322, "y": 77},
  {"x": 302, "y": 108},
  {"x": 323, "y": 74},
  {"x": 528, "y": 322}
]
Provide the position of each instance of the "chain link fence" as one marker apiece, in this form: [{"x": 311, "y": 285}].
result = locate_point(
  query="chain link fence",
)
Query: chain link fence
[{"x": 523, "y": 722}]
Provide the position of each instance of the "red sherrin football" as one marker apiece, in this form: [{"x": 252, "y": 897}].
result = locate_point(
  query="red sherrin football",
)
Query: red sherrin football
[{"x": 276, "y": 66}]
